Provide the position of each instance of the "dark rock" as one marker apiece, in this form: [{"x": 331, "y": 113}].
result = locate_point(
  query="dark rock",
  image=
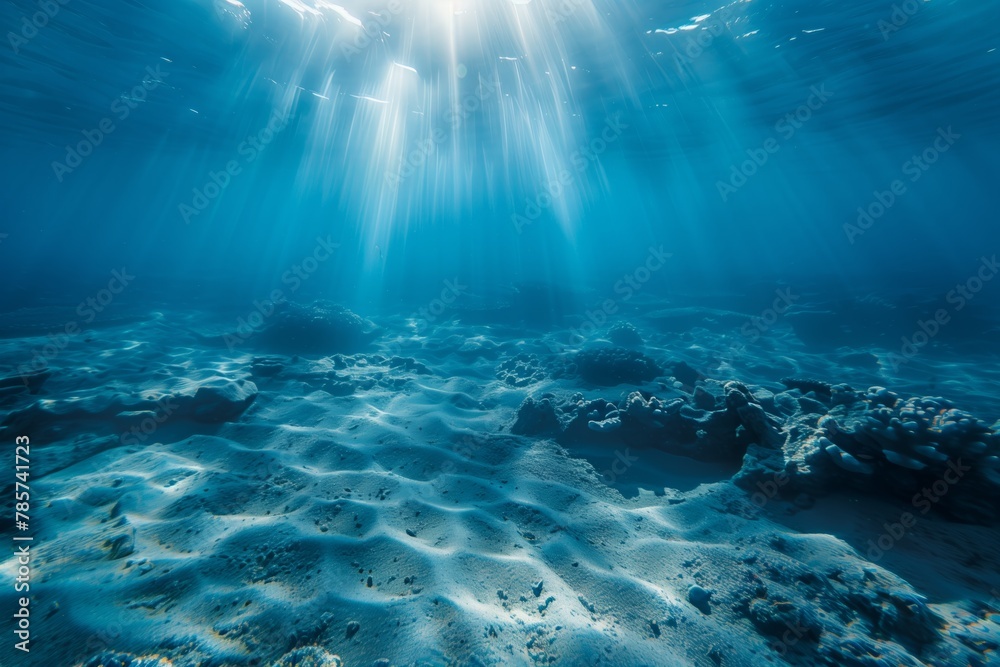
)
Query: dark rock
[
  {"x": 613, "y": 366},
  {"x": 811, "y": 406},
  {"x": 776, "y": 617},
  {"x": 321, "y": 328},
  {"x": 700, "y": 598},
  {"x": 537, "y": 418},
  {"x": 336, "y": 387},
  {"x": 821, "y": 389},
  {"x": 751, "y": 415},
  {"x": 686, "y": 375},
  {"x": 266, "y": 366},
  {"x": 409, "y": 364},
  {"x": 882, "y": 444},
  {"x": 863, "y": 652},
  {"x": 219, "y": 399},
  {"x": 704, "y": 400},
  {"x": 624, "y": 334},
  {"x": 121, "y": 546}
]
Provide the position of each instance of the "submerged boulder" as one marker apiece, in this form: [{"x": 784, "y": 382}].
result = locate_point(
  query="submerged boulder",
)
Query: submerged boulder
[
  {"x": 319, "y": 328},
  {"x": 920, "y": 449},
  {"x": 537, "y": 417},
  {"x": 641, "y": 419},
  {"x": 615, "y": 365},
  {"x": 219, "y": 399},
  {"x": 623, "y": 334}
]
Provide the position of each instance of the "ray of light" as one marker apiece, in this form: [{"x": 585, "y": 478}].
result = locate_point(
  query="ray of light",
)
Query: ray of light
[{"x": 424, "y": 109}]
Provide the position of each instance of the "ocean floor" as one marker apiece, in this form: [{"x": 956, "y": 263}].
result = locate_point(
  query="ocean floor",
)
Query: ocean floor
[{"x": 682, "y": 485}]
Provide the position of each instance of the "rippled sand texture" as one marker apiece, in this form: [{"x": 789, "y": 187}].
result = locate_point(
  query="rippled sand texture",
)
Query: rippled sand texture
[{"x": 382, "y": 510}]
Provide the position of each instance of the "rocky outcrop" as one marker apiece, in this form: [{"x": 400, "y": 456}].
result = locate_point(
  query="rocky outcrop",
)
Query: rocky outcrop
[
  {"x": 520, "y": 370},
  {"x": 612, "y": 366},
  {"x": 218, "y": 400},
  {"x": 537, "y": 417},
  {"x": 811, "y": 439},
  {"x": 319, "y": 328},
  {"x": 921, "y": 449},
  {"x": 722, "y": 433}
]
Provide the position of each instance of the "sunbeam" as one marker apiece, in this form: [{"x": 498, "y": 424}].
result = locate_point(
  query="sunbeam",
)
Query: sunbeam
[{"x": 423, "y": 110}]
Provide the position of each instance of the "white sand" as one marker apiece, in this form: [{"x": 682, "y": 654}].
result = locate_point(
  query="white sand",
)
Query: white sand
[{"x": 408, "y": 508}]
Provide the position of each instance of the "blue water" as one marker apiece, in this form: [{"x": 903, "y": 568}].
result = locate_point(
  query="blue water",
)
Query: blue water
[
  {"x": 422, "y": 139},
  {"x": 559, "y": 295}
]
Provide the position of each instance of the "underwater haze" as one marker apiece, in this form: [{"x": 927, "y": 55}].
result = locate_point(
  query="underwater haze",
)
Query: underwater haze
[
  {"x": 506, "y": 141},
  {"x": 489, "y": 332}
]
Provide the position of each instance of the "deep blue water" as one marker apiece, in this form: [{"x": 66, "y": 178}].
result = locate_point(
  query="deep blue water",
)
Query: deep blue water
[
  {"x": 710, "y": 217},
  {"x": 496, "y": 141}
]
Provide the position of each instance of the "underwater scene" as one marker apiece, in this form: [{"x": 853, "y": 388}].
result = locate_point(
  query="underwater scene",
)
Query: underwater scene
[{"x": 385, "y": 333}]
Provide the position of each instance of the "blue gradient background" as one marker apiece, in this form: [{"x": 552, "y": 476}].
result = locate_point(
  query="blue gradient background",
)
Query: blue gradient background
[{"x": 556, "y": 81}]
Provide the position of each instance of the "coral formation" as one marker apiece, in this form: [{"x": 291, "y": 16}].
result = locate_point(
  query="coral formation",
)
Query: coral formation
[
  {"x": 624, "y": 334},
  {"x": 921, "y": 449},
  {"x": 644, "y": 420},
  {"x": 537, "y": 417},
  {"x": 520, "y": 370},
  {"x": 318, "y": 328},
  {"x": 610, "y": 366},
  {"x": 219, "y": 399}
]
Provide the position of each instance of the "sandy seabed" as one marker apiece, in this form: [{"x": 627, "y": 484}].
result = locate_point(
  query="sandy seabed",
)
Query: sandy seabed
[{"x": 197, "y": 505}]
